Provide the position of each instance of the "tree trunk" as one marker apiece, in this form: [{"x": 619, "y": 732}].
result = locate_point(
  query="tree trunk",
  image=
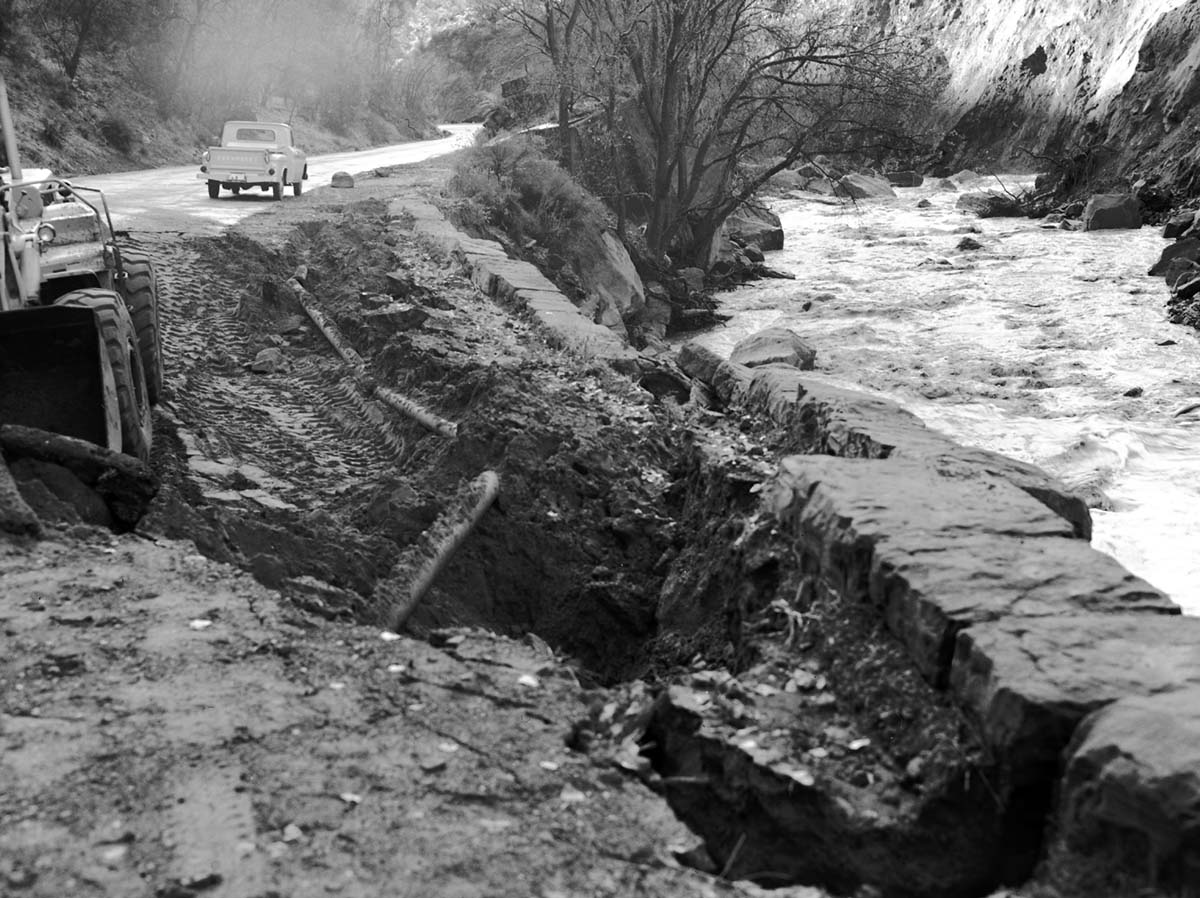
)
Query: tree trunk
[
  {"x": 72, "y": 66},
  {"x": 566, "y": 144}
]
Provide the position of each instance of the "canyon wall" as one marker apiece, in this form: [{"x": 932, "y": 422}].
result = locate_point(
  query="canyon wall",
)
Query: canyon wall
[{"x": 1035, "y": 80}]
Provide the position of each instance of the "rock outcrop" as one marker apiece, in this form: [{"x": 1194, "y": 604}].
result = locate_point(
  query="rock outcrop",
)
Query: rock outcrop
[{"x": 1055, "y": 79}]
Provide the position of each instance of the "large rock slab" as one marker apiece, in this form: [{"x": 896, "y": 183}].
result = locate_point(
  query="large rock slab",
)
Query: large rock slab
[
  {"x": 563, "y": 327},
  {"x": 1133, "y": 785},
  {"x": 936, "y": 555},
  {"x": 828, "y": 420},
  {"x": 774, "y": 346},
  {"x": 1107, "y": 211},
  {"x": 1028, "y": 683},
  {"x": 503, "y": 277},
  {"x": 833, "y": 421}
]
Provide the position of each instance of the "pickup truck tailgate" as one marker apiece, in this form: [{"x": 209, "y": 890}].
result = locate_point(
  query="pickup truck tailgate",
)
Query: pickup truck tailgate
[{"x": 222, "y": 157}]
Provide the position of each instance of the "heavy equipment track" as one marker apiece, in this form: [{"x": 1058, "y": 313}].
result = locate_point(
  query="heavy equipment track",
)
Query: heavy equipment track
[{"x": 308, "y": 425}]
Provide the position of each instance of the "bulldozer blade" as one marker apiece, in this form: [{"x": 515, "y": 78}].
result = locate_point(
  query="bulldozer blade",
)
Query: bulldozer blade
[{"x": 54, "y": 374}]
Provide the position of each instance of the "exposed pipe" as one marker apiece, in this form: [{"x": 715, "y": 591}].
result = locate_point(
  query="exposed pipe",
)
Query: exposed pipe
[{"x": 398, "y": 595}]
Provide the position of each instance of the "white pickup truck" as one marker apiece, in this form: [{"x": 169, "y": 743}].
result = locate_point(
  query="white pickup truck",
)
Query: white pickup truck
[{"x": 254, "y": 154}]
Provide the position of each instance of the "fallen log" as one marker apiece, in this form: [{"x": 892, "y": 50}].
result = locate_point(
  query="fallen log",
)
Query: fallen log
[
  {"x": 126, "y": 484},
  {"x": 390, "y": 397},
  {"x": 422, "y": 416}
]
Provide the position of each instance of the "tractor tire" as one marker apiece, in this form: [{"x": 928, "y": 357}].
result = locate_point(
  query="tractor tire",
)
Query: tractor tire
[
  {"x": 277, "y": 189},
  {"x": 139, "y": 289},
  {"x": 214, "y": 189},
  {"x": 120, "y": 344}
]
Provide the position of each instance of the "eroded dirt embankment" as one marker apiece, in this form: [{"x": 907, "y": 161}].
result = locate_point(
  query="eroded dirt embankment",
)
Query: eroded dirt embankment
[
  {"x": 170, "y": 727},
  {"x": 804, "y": 735}
]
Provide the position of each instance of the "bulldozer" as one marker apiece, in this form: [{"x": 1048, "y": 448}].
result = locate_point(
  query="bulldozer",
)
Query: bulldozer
[{"x": 80, "y": 345}]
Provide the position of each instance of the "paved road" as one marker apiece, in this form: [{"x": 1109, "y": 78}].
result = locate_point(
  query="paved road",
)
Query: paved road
[{"x": 174, "y": 199}]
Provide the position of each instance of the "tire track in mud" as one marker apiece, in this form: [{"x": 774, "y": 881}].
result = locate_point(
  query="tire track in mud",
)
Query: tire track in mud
[{"x": 309, "y": 428}]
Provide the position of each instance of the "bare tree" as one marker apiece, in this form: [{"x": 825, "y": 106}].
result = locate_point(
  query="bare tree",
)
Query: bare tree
[
  {"x": 552, "y": 27},
  {"x": 713, "y": 84},
  {"x": 721, "y": 82},
  {"x": 73, "y": 28}
]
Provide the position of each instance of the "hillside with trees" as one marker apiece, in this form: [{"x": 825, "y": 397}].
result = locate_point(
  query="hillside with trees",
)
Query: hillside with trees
[{"x": 107, "y": 84}]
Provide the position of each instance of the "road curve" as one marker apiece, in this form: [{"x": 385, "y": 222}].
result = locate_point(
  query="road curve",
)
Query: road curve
[{"x": 174, "y": 199}]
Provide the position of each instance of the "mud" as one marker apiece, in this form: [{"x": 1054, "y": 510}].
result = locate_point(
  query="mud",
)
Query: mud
[
  {"x": 298, "y": 473},
  {"x": 619, "y": 518}
]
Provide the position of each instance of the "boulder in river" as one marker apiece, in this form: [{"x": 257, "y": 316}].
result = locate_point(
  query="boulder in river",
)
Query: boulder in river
[
  {"x": 863, "y": 187},
  {"x": 754, "y": 224},
  {"x": 991, "y": 204},
  {"x": 1110, "y": 211},
  {"x": 1179, "y": 271},
  {"x": 774, "y": 346},
  {"x": 1179, "y": 225}
]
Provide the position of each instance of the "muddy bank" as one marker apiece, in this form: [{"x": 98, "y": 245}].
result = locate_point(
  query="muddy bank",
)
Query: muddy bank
[{"x": 822, "y": 656}]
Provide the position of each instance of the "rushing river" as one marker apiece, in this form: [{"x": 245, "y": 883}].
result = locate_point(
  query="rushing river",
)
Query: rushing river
[{"x": 1047, "y": 345}]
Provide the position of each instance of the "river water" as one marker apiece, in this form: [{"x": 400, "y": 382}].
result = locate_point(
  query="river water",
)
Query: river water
[{"x": 1035, "y": 345}]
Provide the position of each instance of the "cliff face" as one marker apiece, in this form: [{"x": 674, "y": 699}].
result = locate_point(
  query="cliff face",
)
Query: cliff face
[{"x": 1052, "y": 78}]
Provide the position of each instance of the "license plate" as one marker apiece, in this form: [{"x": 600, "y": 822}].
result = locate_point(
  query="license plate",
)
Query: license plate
[{"x": 237, "y": 176}]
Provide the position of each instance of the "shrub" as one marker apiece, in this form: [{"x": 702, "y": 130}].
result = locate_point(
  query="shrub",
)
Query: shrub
[
  {"x": 118, "y": 133},
  {"x": 54, "y": 130},
  {"x": 512, "y": 185}
]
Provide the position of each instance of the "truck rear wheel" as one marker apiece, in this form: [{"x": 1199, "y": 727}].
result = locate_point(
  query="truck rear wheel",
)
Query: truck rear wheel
[
  {"x": 277, "y": 189},
  {"x": 298, "y": 185},
  {"x": 139, "y": 289},
  {"x": 117, "y": 336},
  {"x": 214, "y": 189}
]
